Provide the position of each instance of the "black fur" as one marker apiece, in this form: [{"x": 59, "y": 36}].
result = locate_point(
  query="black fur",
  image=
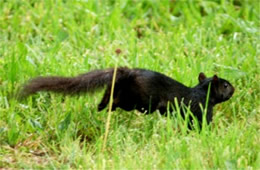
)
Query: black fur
[{"x": 139, "y": 89}]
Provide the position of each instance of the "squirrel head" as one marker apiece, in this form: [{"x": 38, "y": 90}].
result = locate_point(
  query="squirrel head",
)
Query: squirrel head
[{"x": 221, "y": 90}]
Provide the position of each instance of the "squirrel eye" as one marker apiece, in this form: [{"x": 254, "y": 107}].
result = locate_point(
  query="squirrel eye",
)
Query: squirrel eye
[{"x": 225, "y": 85}]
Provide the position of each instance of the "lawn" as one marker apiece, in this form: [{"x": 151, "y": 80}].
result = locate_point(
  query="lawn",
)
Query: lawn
[{"x": 179, "y": 38}]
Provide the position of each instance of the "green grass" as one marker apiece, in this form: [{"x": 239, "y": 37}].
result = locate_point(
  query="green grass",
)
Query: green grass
[{"x": 178, "y": 38}]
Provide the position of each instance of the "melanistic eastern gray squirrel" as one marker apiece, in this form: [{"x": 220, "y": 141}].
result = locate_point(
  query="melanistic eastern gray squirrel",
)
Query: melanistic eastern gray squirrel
[{"x": 140, "y": 89}]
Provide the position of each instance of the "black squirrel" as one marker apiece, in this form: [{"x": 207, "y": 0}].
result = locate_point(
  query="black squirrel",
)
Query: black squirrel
[{"x": 140, "y": 89}]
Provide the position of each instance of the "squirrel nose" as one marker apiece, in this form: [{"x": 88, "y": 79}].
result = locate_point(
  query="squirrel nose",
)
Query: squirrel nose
[{"x": 232, "y": 92}]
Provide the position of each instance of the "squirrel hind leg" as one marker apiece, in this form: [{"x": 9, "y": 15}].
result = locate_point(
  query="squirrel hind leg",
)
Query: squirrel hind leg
[
  {"x": 101, "y": 106},
  {"x": 104, "y": 100}
]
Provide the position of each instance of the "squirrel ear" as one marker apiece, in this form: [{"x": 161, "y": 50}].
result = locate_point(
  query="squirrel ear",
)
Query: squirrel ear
[
  {"x": 215, "y": 78},
  {"x": 202, "y": 77}
]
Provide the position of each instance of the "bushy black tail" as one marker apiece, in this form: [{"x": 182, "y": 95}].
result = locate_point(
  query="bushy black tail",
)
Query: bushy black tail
[{"x": 87, "y": 82}]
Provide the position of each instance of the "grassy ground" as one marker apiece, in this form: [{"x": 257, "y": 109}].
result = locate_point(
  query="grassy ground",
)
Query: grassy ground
[{"x": 178, "y": 38}]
